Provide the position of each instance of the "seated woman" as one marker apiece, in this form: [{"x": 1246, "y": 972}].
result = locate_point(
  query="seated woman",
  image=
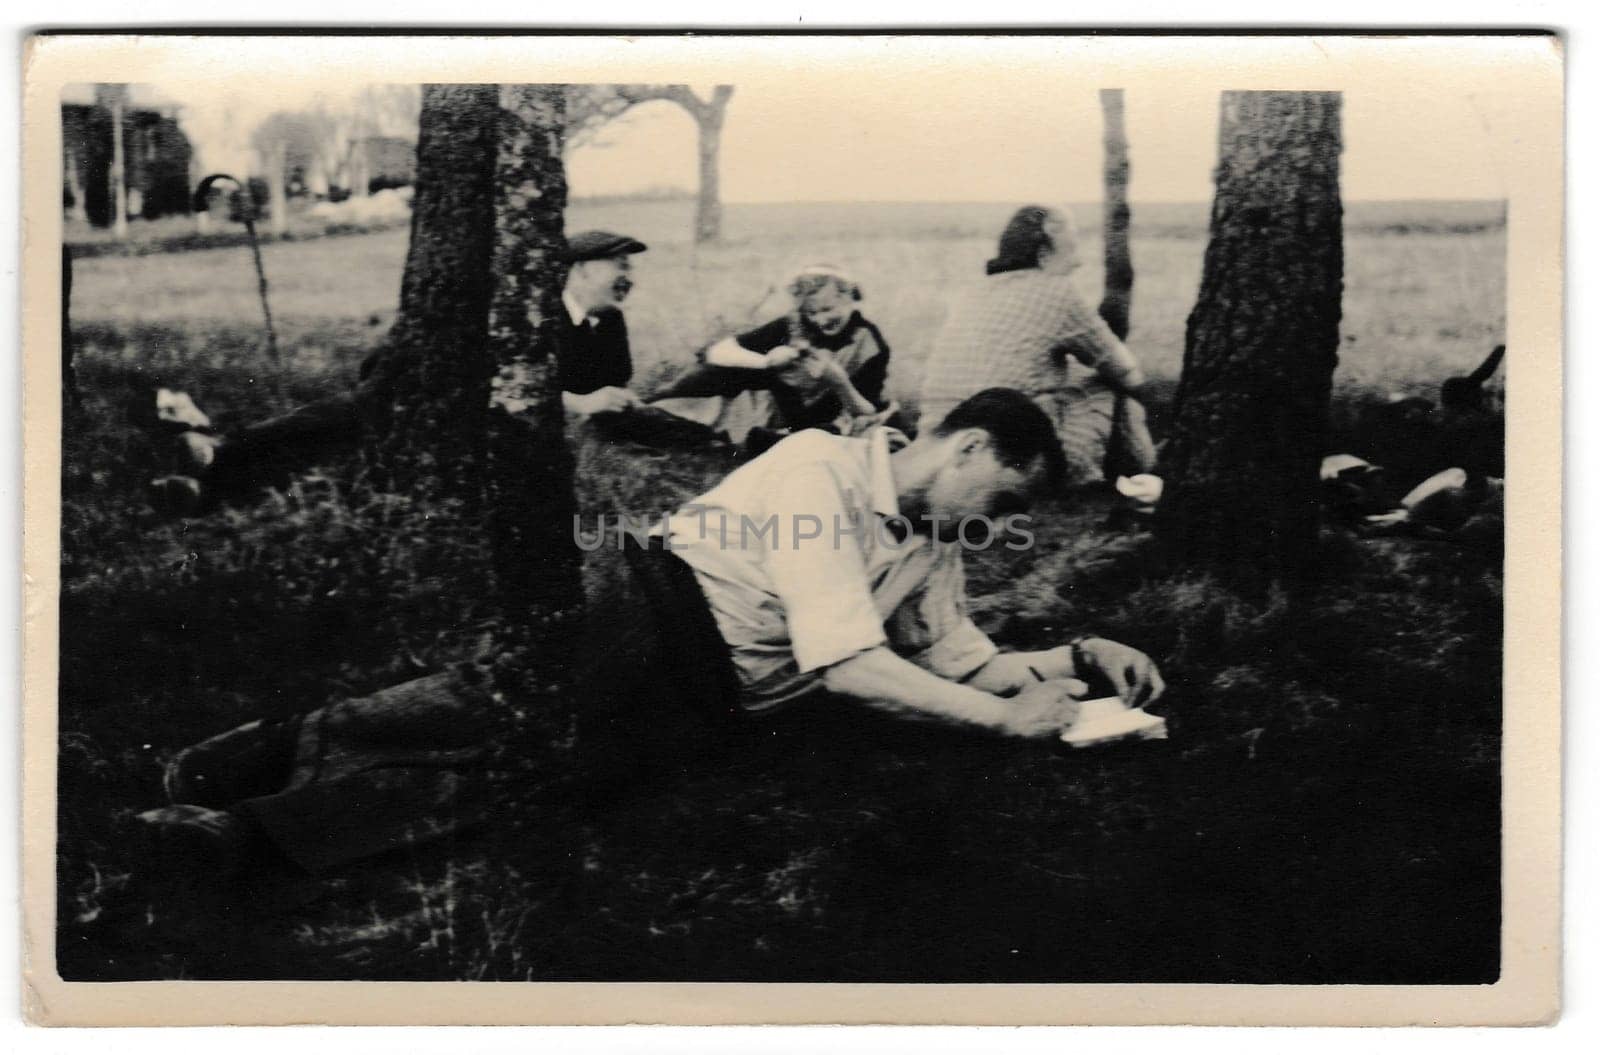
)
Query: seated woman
[
  {"x": 823, "y": 365},
  {"x": 1028, "y": 327}
]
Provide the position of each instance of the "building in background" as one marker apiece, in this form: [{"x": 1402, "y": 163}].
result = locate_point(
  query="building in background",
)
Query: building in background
[
  {"x": 382, "y": 162},
  {"x": 136, "y": 151},
  {"x": 155, "y": 154}
]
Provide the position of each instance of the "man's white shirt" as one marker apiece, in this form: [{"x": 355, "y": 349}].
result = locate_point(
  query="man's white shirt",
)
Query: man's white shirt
[{"x": 797, "y": 558}]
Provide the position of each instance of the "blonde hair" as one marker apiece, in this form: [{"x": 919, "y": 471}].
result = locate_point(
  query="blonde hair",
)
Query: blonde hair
[{"x": 815, "y": 277}]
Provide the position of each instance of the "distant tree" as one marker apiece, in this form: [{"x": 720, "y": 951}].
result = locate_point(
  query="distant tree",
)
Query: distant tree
[
  {"x": 1128, "y": 449},
  {"x": 591, "y": 106},
  {"x": 114, "y": 98},
  {"x": 1251, "y": 416},
  {"x": 1117, "y": 301},
  {"x": 284, "y": 141},
  {"x": 331, "y": 132},
  {"x": 329, "y": 138},
  {"x": 389, "y": 109}
]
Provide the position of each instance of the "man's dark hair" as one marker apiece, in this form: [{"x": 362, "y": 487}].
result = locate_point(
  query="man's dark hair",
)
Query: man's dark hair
[{"x": 1021, "y": 431}]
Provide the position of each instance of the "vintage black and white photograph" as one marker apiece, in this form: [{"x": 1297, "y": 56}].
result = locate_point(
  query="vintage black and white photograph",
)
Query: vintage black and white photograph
[{"x": 1018, "y": 517}]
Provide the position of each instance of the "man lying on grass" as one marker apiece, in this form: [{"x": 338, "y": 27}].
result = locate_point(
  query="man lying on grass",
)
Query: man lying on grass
[
  {"x": 827, "y": 568},
  {"x": 833, "y": 566},
  {"x": 593, "y": 361}
]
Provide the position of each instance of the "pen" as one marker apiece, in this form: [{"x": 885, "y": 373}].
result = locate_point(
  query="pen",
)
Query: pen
[{"x": 1035, "y": 672}]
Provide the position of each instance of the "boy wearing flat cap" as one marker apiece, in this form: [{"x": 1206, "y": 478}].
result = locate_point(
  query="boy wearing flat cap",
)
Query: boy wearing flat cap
[
  {"x": 593, "y": 368},
  {"x": 594, "y": 362}
]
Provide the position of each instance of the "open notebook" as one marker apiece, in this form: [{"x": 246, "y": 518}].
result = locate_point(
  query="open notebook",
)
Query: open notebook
[{"x": 1103, "y": 720}]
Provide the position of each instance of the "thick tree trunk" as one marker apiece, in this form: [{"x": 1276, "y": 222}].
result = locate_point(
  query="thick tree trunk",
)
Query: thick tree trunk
[
  {"x": 529, "y": 484},
  {"x": 428, "y": 396},
  {"x": 468, "y": 438},
  {"x": 1251, "y": 416},
  {"x": 467, "y": 415}
]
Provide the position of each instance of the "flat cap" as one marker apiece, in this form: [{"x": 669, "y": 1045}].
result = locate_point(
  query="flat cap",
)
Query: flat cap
[{"x": 601, "y": 245}]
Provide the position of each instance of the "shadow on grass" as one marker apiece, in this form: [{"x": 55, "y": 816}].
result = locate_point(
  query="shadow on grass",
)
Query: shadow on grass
[{"x": 1326, "y": 811}]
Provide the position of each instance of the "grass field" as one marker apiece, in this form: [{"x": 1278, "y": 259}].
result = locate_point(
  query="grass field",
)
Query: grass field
[
  {"x": 1424, "y": 285},
  {"x": 1327, "y": 809}
]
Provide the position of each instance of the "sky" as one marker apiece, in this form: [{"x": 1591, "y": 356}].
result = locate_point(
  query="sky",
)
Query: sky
[
  {"x": 976, "y": 147},
  {"x": 1003, "y": 137}
]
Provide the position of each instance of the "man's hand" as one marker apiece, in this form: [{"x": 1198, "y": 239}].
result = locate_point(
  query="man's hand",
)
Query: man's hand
[
  {"x": 613, "y": 399},
  {"x": 818, "y": 364},
  {"x": 1044, "y": 708},
  {"x": 1131, "y": 673},
  {"x": 782, "y": 356},
  {"x": 607, "y": 400}
]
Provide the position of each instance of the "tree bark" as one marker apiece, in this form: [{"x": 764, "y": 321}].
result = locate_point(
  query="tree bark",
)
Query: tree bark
[
  {"x": 467, "y": 439},
  {"x": 1251, "y": 414},
  {"x": 427, "y": 399},
  {"x": 529, "y": 484},
  {"x": 464, "y": 402}
]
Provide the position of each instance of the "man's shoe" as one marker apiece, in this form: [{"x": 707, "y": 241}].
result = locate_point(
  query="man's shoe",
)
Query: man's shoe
[
  {"x": 176, "y": 410},
  {"x": 243, "y": 763},
  {"x": 192, "y": 840}
]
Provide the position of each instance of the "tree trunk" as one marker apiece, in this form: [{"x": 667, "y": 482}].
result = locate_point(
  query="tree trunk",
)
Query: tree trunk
[
  {"x": 75, "y": 211},
  {"x": 1127, "y": 451},
  {"x": 69, "y": 376},
  {"x": 1251, "y": 415},
  {"x": 466, "y": 440},
  {"x": 529, "y": 486},
  {"x": 360, "y": 170},
  {"x": 119, "y": 177},
  {"x": 275, "y": 161},
  {"x": 466, "y": 412},
  {"x": 429, "y": 390},
  {"x": 1118, "y": 299},
  {"x": 708, "y": 209}
]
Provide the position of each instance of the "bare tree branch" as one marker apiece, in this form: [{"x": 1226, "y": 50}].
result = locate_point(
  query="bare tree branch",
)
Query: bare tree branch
[{"x": 592, "y": 106}]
